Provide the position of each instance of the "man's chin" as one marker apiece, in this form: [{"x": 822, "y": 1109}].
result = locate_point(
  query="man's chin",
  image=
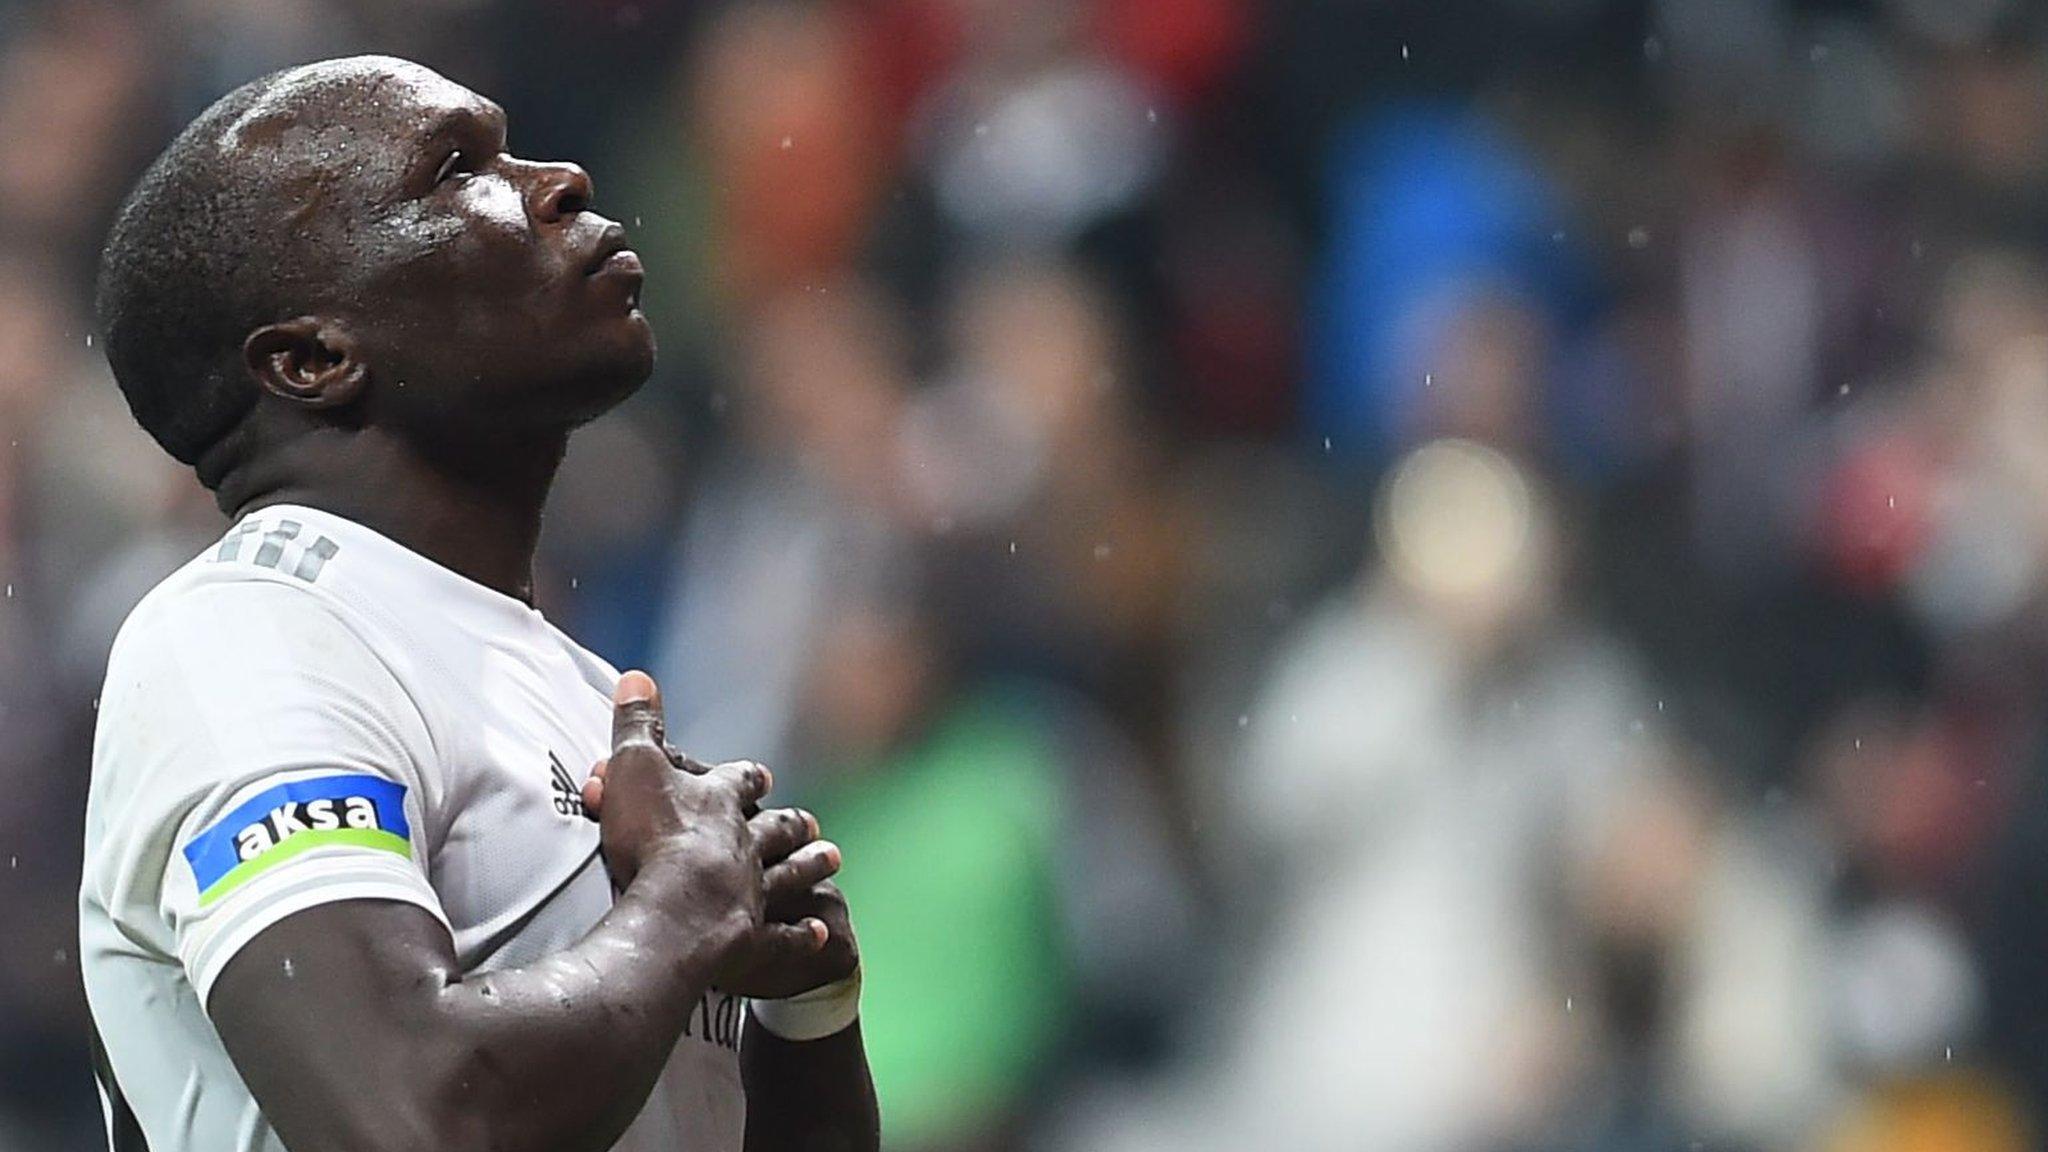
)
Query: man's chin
[
  {"x": 637, "y": 359},
  {"x": 610, "y": 383}
]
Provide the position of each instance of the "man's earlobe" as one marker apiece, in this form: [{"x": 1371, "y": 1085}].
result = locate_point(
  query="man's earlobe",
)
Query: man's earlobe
[{"x": 308, "y": 361}]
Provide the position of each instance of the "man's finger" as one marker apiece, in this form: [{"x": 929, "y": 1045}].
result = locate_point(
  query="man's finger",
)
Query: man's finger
[
  {"x": 636, "y": 711},
  {"x": 749, "y": 778},
  {"x": 779, "y": 831},
  {"x": 779, "y": 943},
  {"x": 821, "y": 902},
  {"x": 685, "y": 761},
  {"x": 806, "y": 867},
  {"x": 593, "y": 796}
]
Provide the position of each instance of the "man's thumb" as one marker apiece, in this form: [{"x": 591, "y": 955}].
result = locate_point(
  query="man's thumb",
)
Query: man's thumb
[{"x": 636, "y": 710}]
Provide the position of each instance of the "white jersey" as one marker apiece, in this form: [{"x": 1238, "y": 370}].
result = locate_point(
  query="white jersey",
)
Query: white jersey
[{"x": 310, "y": 712}]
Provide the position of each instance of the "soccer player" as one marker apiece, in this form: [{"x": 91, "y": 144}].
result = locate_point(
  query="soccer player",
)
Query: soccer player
[{"x": 351, "y": 879}]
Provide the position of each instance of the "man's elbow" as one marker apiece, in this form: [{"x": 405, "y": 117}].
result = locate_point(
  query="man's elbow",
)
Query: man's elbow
[
  {"x": 443, "y": 1102},
  {"x": 466, "y": 1104},
  {"x": 387, "y": 1125}
]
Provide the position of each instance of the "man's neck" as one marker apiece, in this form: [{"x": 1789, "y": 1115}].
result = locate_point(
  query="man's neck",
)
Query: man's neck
[{"x": 478, "y": 514}]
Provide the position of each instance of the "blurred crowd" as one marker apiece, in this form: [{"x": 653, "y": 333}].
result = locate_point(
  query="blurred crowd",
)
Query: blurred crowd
[{"x": 1388, "y": 575}]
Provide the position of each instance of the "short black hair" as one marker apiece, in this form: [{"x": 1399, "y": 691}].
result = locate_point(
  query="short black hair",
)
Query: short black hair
[{"x": 196, "y": 259}]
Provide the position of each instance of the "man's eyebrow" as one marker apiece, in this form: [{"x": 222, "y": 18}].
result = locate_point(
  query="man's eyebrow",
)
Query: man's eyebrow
[
  {"x": 488, "y": 119},
  {"x": 491, "y": 118}
]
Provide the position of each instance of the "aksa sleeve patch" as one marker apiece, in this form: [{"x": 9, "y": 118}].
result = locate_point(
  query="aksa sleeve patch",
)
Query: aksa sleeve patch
[{"x": 277, "y": 824}]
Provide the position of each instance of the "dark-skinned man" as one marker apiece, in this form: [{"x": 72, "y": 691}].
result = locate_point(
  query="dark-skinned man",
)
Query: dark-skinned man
[{"x": 377, "y": 860}]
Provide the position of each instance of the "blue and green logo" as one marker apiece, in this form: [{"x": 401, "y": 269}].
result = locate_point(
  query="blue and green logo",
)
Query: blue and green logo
[{"x": 344, "y": 810}]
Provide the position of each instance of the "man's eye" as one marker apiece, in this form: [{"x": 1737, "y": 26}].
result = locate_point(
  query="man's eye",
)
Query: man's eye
[{"x": 457, "y": 164}]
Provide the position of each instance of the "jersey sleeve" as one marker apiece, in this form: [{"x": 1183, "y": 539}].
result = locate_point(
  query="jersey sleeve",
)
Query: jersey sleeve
[{"x": 261, "y": 759}]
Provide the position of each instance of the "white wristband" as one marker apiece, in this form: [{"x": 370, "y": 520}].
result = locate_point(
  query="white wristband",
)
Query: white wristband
[{"x": 812, "y": 1015}]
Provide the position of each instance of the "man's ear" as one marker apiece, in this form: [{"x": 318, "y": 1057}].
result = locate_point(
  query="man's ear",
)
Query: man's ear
[{"x": 308, "y": 361}]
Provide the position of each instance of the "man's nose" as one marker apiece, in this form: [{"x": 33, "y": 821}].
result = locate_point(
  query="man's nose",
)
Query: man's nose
[{"x": 558, "y": 190}]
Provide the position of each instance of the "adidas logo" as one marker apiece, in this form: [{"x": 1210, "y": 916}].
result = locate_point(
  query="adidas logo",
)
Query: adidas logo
[{"x": 568, "y": 797}]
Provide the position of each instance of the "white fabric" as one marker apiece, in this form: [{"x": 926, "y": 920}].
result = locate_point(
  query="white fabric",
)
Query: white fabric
[
  {"x": 307, "y": 675},
  {"x": 813, "y": 1015}
]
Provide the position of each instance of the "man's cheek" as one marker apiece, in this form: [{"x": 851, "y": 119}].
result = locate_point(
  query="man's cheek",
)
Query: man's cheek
[
  {"x": 413, "y": 254},
  {"x": 494, "y": 204}
]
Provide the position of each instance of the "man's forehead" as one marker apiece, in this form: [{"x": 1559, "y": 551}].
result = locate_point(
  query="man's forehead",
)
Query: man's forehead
[{"x": 351, "y": 95}]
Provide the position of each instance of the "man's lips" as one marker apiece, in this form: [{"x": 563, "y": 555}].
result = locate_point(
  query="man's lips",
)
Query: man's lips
[
  {"x": 623, "y": 267},
  {"x": 612, "y": 260},
  {"x": 623, "y": 262},
  {"x": 611, "y": 253}
]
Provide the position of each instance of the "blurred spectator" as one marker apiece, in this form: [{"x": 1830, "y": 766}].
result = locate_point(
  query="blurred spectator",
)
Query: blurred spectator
[
  {"x": 974, "y": 818},
  {"x": 1033, "y": 471},
  {"x": 802, "y": 513},
  {"x": 948, "y": 807},
  {"x": 1423, "y": 746},
  {"x": 1431, "y": 207},
  {"x": 785, "y": 115}
]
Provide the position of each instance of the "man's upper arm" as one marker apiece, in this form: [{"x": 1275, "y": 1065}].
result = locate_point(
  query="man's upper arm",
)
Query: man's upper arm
[
  {"x": 262, "y": 788},
  {"x": 255, "y": 759},
  {"x": 330, "y": 1016}
]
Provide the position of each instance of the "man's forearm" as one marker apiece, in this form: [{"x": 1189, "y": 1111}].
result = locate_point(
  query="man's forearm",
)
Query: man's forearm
[
  {"x": 561, "y": 1054},
  {"x": 808, "y": 1096}
]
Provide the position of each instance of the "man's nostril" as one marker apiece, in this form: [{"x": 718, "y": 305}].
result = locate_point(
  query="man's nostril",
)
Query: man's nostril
[{"x": 572, "y": 201}]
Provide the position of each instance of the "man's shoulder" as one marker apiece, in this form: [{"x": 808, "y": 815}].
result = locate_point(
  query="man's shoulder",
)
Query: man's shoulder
[
  {"x": 227, "y": 648},
  {"x": 248, "y": 599},
  {"x": 218, "y": 589}
]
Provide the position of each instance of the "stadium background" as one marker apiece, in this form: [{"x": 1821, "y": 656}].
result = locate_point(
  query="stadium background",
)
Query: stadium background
[{"x": 1409, "y": 575}]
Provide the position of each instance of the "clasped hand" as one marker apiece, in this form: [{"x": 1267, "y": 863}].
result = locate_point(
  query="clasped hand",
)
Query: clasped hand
[{"x": 766, "y": 865}]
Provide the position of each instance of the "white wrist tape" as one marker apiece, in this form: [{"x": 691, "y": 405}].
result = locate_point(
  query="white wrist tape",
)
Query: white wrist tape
[{"x": 812, "y": 1015}]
